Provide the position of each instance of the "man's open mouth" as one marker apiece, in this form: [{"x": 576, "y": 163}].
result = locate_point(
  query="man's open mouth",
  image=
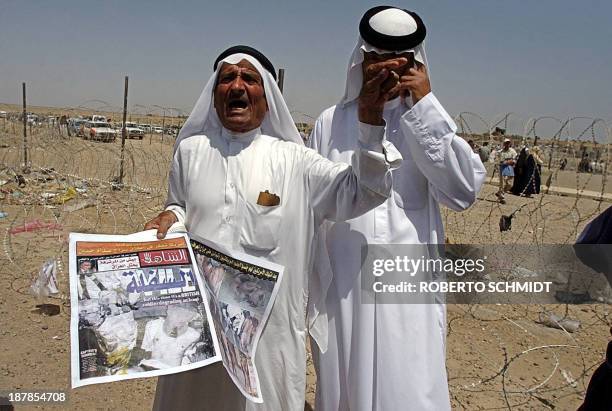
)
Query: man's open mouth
[{"x": 238, "y": 103}]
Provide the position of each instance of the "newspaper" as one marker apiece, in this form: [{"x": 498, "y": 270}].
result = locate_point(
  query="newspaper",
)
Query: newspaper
[
  {"x": 140, "y": 308},
  {"x": 241, "y": 290}
]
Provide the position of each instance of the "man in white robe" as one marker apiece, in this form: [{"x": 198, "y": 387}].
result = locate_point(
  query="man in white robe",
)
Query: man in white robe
[
  {"x": 387, "y": 356},
  {"x": 227, "y": 155}
]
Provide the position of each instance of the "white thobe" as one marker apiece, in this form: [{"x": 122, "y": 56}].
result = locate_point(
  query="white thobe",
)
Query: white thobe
[
  {"x": 390, "y": 356},
  {"x": 214, "y": 184}
]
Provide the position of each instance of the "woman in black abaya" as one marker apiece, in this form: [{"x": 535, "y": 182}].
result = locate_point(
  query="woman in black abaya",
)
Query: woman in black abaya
[{"x": 526, "y": 175}]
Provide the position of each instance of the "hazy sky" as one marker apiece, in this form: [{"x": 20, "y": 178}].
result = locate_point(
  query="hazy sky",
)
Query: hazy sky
[{"x": 489, "y": 57}]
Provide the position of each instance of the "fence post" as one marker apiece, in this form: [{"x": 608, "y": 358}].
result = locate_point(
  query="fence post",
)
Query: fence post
[
  {"x": 25, "y": 128},
  {"x": 123, "y": 131},
  {"x": 163, "y": 124},
  {"x": 281, "y": 79}
]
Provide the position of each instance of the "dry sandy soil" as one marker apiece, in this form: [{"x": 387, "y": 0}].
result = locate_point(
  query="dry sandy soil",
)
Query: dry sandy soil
[{"x": 499, "y": 357}]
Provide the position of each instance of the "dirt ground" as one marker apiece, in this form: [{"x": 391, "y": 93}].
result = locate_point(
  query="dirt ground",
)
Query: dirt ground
[{"x": 498, "y": 356}]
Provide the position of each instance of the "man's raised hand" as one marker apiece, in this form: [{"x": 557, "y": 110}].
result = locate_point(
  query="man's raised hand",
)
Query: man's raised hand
[
  {"x": 379, "y": 83},
  {"x": 416, "y": 82}
]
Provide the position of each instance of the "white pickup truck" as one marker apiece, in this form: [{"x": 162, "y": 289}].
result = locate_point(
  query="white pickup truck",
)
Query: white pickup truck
[
  {"x": 97, "y": 118},
  {"x": 98, "y": 131},
  {"x": 132, "y": 131}
]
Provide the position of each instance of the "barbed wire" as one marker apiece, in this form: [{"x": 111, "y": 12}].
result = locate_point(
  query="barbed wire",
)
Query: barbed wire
[{"x": 72, "y": 183}]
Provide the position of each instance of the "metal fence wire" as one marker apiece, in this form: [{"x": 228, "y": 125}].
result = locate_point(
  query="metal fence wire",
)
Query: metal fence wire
[{"x": 498, "y": 356}]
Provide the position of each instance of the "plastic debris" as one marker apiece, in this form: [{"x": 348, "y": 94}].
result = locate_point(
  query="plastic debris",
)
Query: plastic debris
[
  {"x": 43, "y": 178},
  {"x": 79, "y": 206},
  {"x": 67, "y": 196},
  {"x": 505, "y": 223},
  {"x": 553, "y": 320},
  {"x": 21, "y": 181},
  {"x": 116, "y": 186},
  {"x": 45, "y": 282},
  {"x": 35, "y": 225},
  {"x": 3, "y": 214},
  {"x": 522, "y": 272},
  {"x": 569, "y": 378},
  {"x": 47, "y": 196}
]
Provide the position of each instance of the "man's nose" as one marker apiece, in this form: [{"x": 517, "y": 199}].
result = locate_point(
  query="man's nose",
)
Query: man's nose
[{"x": 237, "y": 85}]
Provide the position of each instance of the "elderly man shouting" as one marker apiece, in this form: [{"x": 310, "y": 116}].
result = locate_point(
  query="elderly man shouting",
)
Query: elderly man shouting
[
  {"x": 241, "y": 177},
  {"x": 388, "y": 356}
]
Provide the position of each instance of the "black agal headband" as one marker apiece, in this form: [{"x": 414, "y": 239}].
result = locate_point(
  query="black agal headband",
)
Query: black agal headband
[
  {"x": 263, "y": 60},
  {"x": 388, "y": 41}
]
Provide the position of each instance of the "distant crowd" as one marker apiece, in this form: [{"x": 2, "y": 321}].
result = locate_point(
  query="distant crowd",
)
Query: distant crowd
[{"x": 520, "y": 174}]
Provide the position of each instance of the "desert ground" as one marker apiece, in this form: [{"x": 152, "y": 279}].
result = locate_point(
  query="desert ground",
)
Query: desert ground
[{"x": 498, "y": 356}]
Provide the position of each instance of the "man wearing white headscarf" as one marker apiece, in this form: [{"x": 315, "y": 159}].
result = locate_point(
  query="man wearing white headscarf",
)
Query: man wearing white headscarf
[
  {"x": 241, "y": 177},
  {"x": 387, "y": 356}
]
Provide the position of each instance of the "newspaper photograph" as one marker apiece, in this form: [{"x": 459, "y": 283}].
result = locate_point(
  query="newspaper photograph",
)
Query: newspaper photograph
[
  {"x": 241, "y": 290},
  {"x": 137, "y": 309}
]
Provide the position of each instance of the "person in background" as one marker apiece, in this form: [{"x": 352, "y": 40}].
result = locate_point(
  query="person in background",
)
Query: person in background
[
  {"x": 484, "y": 152},
  {"x": 584, "y": 166},
  {"x": 506, "y": 159},
  {"x": 593, "y": 249},
  {"x": 527, "y": 179}
]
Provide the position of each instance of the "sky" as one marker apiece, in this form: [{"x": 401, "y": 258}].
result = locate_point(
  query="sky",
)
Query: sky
[{"x": 537, "y": 58}]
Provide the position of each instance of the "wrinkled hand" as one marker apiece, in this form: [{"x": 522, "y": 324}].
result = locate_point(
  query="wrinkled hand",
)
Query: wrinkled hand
[
  {"x": 379, "y": 84},
  {"x": 415, "y": 82},
  {"x": 162, "y": 223}
]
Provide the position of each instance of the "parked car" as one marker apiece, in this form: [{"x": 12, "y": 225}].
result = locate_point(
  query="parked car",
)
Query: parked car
[
  {"x": 97, "y": 118},
  {"x": 32, "y": 119},
  {"x": 158, "y": 130},
  {"x": 171, "y": 130},
  {"x": 132, "y": 131},
  {"x": 98, "y": 131},
  {"x": 175, "y": 129},
  {"x": 74, "y": 124},
  {"x": 145, "y": 127}
]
